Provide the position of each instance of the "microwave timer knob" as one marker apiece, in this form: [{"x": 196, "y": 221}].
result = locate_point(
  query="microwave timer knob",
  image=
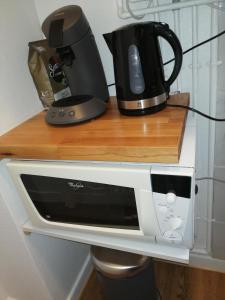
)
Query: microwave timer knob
[
  {"x": 175, "y": 223},
  {"x": 171, "y": 197}
]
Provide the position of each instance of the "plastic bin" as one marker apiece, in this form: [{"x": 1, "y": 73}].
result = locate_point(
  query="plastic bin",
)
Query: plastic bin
[{"x": 124, "y": 275}]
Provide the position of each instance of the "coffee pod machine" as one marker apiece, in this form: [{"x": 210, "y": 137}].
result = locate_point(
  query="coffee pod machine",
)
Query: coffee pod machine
[{"x": 68, "y": 31}]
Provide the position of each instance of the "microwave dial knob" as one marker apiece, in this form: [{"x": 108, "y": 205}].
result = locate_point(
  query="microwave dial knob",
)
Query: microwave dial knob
[
  {"x": 175, "y": 223},
  {"x": 171, "y": 197}
]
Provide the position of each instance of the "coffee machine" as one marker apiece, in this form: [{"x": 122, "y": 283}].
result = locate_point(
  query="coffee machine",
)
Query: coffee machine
[
  {"x": 141, "y": 87},
  {"x": 68, "y": 31}
]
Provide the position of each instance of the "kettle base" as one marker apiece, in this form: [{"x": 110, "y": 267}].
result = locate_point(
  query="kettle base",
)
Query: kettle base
[{"x": 142, "y": 112}]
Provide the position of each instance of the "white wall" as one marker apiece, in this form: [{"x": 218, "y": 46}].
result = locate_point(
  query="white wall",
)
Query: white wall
[
  {"x": 198, "y": 77},
  {"x": 2, "y": 293},
  {"x": 18, "y": 26},
  {"x": 60, "y": 263},
  {"x": 18, "y": 275},
  {"x": 218, "y": 227},
  {"x": 18, "y": 101}
]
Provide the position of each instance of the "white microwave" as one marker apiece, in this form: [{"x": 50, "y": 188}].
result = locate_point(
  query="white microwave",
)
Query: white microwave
[{"x": 140, "y": 208}]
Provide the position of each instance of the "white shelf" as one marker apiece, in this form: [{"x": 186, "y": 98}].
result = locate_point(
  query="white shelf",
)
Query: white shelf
[{"x": 143, "y": 247}]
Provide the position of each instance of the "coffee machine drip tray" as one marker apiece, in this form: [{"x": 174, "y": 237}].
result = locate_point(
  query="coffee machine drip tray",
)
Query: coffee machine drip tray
[{"x": 75, "y": 109}]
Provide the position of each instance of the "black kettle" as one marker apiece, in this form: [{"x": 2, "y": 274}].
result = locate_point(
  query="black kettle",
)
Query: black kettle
[{"x": 141, "y": 87}]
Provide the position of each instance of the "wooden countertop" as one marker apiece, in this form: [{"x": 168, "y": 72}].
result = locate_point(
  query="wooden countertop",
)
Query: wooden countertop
[{"x": 112, "y": 137}]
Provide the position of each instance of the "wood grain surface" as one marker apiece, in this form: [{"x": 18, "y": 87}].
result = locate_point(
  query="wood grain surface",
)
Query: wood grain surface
[
  {"x": 112, "y": 137},
  {"x": 174, "y": 283}
]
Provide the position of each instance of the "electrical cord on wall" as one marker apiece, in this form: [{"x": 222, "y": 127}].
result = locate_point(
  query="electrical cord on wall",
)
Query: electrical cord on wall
[
  {"x": 196, "y": 111},
  {"x": 198, "y": 45},
  {"x": 210, "y": 178}
]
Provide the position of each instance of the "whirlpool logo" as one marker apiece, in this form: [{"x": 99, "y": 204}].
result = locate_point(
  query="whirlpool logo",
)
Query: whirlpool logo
[{"x": 75, "y": 185}]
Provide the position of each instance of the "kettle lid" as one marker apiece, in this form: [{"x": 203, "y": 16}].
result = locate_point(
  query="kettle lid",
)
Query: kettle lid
[
  {"x": 74, "y": 24},
  {"x": 150, "y": 25}
]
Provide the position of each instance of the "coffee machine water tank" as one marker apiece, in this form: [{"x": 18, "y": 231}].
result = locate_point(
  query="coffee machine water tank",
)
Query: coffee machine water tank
[{"x": 68, "y": 30}]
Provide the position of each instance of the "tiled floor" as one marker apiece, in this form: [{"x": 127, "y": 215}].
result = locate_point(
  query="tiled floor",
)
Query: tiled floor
[{"x": 175, "y": 283}]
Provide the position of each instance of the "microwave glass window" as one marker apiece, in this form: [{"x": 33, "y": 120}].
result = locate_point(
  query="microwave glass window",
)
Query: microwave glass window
[{"x": 82, "y": 202}]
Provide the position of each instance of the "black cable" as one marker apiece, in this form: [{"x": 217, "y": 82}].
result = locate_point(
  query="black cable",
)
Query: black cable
[
  {"x": 196, "y": 111},
  {"x": 210, "y": 178},
  {"x": 200, "y": 44}
]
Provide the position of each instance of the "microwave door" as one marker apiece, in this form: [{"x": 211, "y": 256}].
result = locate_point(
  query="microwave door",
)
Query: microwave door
[{"x": 86, "y": 203}]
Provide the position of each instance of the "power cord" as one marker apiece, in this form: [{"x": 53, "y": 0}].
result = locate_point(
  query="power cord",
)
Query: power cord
[
  {"x": 196, "y": 111},
  {"x": 210, "y": 178},
  {"x": 198, "y": 45}
]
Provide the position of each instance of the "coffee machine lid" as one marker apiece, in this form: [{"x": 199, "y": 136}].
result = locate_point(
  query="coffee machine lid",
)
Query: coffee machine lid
[{"x": 65, "y": 26}]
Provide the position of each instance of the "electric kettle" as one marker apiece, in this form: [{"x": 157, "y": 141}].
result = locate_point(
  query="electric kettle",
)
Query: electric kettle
[{"x": 141, "y": 87}]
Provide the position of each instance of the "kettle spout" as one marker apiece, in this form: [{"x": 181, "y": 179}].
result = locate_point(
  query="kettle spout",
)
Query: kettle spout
[{"x": 108, "y": 39}]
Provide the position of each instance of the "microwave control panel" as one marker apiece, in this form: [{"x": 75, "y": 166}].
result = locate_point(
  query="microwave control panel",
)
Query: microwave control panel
[{"x": 173, "y": 206}]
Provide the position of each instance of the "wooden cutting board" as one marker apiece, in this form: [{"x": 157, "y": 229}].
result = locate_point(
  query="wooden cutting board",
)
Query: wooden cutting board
[{"x": 111, "y": 137}]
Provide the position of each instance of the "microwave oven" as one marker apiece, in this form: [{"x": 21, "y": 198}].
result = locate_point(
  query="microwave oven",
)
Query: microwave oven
[{"x": 149, "y": 207}]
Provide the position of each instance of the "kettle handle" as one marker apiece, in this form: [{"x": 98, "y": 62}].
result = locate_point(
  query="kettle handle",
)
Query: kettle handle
[{"x": 162, "y": 29}]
